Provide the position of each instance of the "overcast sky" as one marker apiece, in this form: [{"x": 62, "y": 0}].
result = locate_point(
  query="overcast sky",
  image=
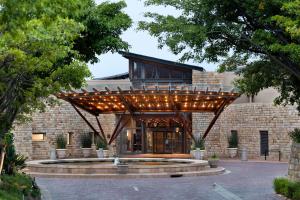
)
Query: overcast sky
[{"x": 141, "y": 43}]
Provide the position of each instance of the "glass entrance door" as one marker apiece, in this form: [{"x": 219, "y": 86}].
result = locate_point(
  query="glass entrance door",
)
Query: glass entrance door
[
  {"x": 158, "y": 142},
  {"x": 167, "y": 142}
]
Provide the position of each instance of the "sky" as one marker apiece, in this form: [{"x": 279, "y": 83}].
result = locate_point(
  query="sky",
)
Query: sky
[{"x": 140, "y": 41}]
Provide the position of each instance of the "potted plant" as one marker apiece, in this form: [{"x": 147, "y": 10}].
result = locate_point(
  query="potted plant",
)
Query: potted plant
[
  {"x": 61, "y": 143},
  {"x": 193, "y": 151},
  {"x": 102, "y": 150},
  {"x": 200, "y": 148},
  {"x": 232, "y": 145},
  {"x": 213, "y": 161},
  {"x": 86, "y": 144}
]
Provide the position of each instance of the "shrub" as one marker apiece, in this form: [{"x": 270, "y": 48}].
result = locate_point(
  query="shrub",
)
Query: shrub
[
  {"x": 15, "y": 186},
  {"x": 200, "y": 143},
  {"x": 295, "y": 135},
  {"x": 13, "y": 161},
  {"x": 101, "y": 144},
  {"x": 61, "y": 141},
  {"x": 86, "y": 140},
  {"x": 280, "y": 185},
  {"x": 214, "y": 157},
  {"x": 289, "y": 189},
  {"x": 292, "y": 187},
  {"x": 296, "y": 195},
  {"x": 233, "y": 141}
]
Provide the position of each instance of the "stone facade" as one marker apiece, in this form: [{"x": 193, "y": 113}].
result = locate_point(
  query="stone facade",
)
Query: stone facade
[
  {"x": 294, "y": 163},
  {"x": 248, "y": 119},
  {"x": 61, "y": 119},
  {"x": 251, "y": 118}
]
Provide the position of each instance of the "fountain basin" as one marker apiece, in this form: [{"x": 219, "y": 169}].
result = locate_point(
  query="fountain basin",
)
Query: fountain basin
[{"x": 104, "y": 167}]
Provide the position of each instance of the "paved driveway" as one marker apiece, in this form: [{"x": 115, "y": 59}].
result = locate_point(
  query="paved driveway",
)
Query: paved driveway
[{"x": 245, "y": 181}]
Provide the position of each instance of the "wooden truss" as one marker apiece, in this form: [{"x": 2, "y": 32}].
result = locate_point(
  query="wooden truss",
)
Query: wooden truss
[{"x": 148, "y": 100}]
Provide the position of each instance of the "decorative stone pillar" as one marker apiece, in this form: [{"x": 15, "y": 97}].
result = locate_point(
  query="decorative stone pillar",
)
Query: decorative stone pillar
[{"x": 294, "y": 163}]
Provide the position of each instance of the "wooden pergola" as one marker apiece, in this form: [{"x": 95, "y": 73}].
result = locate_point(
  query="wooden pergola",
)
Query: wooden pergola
[{"x": 145, "y": 100}]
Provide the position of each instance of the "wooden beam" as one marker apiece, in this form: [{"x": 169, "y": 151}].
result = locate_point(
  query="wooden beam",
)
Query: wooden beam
[
  {"x": 125, "y": 102},
  {"x": 80, "y": 106},
  {"x": 116, "y": 128},
  {"x": 187, "y": 126},
  {"x": 101, "y": 130},
  {"x": 107, "y": 89},
  {"x": 213, "y": 121},
  {"x": 84, "y": 118},
  {"x": 117, "y": 132},
  {"x": 95, "y": 90}
]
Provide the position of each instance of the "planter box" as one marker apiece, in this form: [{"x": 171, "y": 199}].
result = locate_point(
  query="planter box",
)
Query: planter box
[
  {"x": 199, "y": 154},
  {"x": 100, "y": 153},
  {"x": 232, "y": 152},
  {"x": 213, "y": 163},
  {"x": 86, "y": 152},
  {"x": 61, "y": 153}
]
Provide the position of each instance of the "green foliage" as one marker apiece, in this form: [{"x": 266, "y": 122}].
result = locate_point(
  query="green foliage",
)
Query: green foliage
[
  {"x": 289, "y": 189},
  {"x": 214, "y": 157},
  {"x": 295, "y": 135},
  {"x": 280, "y": 184},
  {"x": 61, "y": 141},
  {"x": 296, "y": 194},
  {"x": 233, "y": 141},
  {"x": 199, "y": 143},
  {"x": 14, "y": 187},
  {"x": 86, "y": 140},
  {"x": 101, "y": 144},
  {"x": 259, "y": 40},
  {"x": 44, "y": 47},
  {"x": 12, "y": 161}
]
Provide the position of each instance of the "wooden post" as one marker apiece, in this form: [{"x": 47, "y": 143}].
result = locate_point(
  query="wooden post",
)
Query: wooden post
[
  {"x": 101, "y": 130},
  {"x": 83, "y": 117},
  {"x": 213, "y": 121}
]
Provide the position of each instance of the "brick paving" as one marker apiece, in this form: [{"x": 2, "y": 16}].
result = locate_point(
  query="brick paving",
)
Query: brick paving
[{"x": 246, "y": 180}]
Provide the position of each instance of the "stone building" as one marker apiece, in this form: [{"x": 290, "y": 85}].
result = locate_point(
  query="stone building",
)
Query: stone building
[{"x": 261, "y": 127}]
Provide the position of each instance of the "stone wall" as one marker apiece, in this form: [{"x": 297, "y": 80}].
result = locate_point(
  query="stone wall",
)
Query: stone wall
[
  {"x": 248, "y": 119},
  {"x": 22, "y": 134},
  {"x": 251, "y": 118},
  {"x": 294, "y": 163},
  {"x": 57, "y": 120}
]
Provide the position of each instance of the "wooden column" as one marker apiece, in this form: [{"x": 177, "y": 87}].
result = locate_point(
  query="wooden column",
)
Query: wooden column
[{"x": 213, "y": 121}]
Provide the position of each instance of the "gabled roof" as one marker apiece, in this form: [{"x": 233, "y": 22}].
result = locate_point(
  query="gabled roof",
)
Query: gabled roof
[
  {"x": 134, "y": 56},
  {"x": 115, "y": 77}
]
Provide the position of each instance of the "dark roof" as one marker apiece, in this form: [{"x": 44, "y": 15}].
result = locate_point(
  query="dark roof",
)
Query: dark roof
[
  {"x": 115, "y": 77},
  {"x": 129, "y": 55}
]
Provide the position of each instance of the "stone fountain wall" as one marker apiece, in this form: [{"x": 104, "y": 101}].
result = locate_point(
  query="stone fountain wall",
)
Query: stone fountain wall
[{"x": 294, "y": 163}]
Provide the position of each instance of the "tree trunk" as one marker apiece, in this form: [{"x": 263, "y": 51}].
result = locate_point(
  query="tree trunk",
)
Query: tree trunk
[{"x": 2, "y": 160}]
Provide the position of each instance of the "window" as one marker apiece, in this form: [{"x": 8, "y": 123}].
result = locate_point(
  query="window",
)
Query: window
[
  {"x": 38, "y": 137},
  {"x": 70, "y": 138},
  {"x": 264, "y": 143}
]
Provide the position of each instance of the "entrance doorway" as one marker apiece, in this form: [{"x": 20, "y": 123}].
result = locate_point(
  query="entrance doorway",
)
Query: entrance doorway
[
  {"x": 160, "y": 135},
  {"x": 167, "y": 142}
]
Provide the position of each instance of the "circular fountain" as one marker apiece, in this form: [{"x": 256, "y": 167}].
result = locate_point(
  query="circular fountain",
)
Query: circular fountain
[{"x": 109, "y": 168}]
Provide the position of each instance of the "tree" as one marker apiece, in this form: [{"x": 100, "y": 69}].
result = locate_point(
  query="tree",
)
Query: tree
[
  {"x": 257, "y": 38},
  {"x": 44, "y": 47}
]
